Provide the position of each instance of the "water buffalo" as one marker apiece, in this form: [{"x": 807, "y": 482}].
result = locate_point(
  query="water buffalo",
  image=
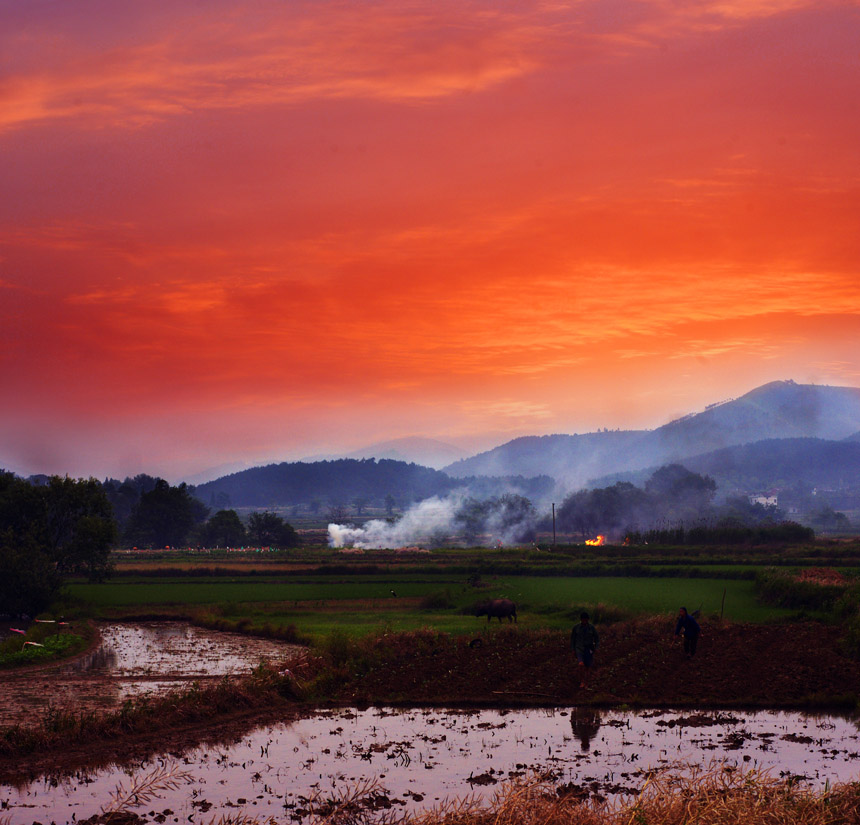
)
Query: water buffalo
[{"x": 499, "y": 608}]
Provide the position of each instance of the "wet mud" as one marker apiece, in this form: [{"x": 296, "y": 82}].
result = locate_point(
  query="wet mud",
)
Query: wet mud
[
  {"x": 131, "y": 660},
  {"x": 408, "y": 760}
]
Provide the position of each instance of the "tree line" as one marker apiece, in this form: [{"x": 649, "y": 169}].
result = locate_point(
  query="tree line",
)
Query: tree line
[
  {"x": 60, "y": 526},
  {"x": 152, "y": 513},
  {"x": 675, "y": 506}
]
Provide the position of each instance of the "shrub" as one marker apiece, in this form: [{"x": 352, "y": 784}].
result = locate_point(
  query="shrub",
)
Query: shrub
[
  {"x": 439, "y": 600},
  {"x": 781, "y": 589}
]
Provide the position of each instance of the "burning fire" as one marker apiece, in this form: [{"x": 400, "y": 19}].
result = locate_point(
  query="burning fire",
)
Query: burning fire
[{"x": 598, "y": 541}]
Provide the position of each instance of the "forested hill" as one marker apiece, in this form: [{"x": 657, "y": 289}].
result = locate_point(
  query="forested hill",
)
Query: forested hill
[
  {"x": 779, "y": 410},
  {"x": 345, "y": 480},
  {"x": 771, "y": 463}
]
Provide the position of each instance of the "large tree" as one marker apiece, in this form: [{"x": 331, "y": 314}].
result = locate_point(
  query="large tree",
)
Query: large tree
[
  {"x": 165, "y": 516},
  {"x": 46, "y": 532},
  {"x": 270, "y": 530},
  {"x": 224, "y": 529}
]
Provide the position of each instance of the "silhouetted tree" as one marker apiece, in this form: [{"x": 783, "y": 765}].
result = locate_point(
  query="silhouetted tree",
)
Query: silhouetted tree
[
  {"x": 165, "y": 516},
  {"x": 62, "y": 526},
  {"x": 224, "y": 529},
  {"x": 270, "y": 530}
]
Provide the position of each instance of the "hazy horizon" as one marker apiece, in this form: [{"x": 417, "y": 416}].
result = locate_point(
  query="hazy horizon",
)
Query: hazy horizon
[{"x": 248, "y": 233}]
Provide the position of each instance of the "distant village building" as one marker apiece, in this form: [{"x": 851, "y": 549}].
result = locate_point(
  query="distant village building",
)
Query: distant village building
[{"x": 764, "y": 500}]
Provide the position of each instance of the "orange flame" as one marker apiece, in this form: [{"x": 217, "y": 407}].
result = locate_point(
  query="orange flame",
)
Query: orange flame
[{"x": 598, "y": 541}]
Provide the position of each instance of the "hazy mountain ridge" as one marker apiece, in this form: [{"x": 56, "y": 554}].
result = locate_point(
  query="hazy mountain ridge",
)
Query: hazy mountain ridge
[
  {"x": 345, "y": 480},
  {"x": 780, "y": 409},
  {"x": 777, "y": 417},
  {"x": 554, "y": 455},
  {"x": 768, "y": 464}
]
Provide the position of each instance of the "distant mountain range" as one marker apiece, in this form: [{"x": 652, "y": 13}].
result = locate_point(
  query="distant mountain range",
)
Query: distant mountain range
[
  {"x": 781, "y": 432},
  {"x": 348, "y": 480},
  {"x": 773, "y": 462},
  {"x": 781, "y": 409}
]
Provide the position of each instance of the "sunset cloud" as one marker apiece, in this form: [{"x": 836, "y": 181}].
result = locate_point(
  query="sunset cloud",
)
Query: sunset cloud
[
  {"x": 268, "y": 230},
  {"x": 299, "y": 53}
]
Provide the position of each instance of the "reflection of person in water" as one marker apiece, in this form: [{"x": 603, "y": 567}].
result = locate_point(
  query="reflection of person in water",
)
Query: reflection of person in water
[{"x": 584, "y": 722}]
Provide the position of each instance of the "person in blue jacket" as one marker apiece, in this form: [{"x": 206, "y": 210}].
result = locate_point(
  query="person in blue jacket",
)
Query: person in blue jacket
[{"x": 690, "y": 628}]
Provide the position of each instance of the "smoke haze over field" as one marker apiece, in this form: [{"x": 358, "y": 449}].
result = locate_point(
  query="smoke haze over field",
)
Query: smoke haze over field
[{"x": 507, "y": 520}]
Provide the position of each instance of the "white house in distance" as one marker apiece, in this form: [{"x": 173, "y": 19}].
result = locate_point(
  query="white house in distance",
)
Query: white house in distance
[{"x": 764, "y": 499}]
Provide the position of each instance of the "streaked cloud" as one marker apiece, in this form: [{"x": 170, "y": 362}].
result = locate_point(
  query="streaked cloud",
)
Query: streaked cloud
[{"x": 294, "y": 54}]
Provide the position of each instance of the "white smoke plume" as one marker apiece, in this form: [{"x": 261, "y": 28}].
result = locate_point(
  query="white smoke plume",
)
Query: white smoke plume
[
  {"x": 435, "y": 521},
  {"x": 429, "y": 522}
]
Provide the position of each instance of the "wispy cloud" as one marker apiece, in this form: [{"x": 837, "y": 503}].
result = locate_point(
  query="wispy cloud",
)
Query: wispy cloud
[{"x": 292, "y": 55}]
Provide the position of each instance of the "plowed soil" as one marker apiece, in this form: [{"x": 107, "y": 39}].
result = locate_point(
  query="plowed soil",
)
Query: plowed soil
[{"x": 639, "y": 663}]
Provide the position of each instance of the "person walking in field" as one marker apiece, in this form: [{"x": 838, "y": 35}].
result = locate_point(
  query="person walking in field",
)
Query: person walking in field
[
  {"x": 687, "y": 625},
  {"x": 583, "y": 642}
]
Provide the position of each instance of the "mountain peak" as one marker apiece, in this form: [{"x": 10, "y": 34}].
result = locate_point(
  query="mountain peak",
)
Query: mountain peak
[{"x": 778, "y": 409}]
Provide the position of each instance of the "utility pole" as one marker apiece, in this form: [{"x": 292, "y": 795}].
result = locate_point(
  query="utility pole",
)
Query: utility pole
[{"x": 553, "y": 525}]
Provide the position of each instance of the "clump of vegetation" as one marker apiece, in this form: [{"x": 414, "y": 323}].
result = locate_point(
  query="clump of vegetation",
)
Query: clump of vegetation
[
  {"x": 42, "y": 642},
  {"x": 727, "y": 534},
  {"x": 283, "y": 633},
  {"x": 780, "y": 588},
  {"x": 438, "y": 600},
  {"x": 52, "y": 648},
  {"x": 831, "y": 593}
]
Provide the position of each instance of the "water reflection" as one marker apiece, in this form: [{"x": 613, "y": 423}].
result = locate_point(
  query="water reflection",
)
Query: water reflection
[
  {"x": 418, "y": 758},
  {"x": 102, "y": 659},
  {"x": 585, "y": 722}
]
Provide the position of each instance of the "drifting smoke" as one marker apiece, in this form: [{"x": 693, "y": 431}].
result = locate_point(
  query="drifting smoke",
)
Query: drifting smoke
[{"x": 508, "y": 519}]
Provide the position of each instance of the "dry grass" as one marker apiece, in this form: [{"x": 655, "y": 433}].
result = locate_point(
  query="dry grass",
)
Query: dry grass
[
  {"x": 719, "y": 795},
  {"x": 713, "y": 797},
  {"x": 716, "y": 796},
  {"x": 143, "y": 789}
]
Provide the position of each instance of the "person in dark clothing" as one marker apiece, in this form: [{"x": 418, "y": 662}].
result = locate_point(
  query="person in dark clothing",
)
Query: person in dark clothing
[
  {"x": 583, "y": 641},
  {"x": 687, "y": 625}
]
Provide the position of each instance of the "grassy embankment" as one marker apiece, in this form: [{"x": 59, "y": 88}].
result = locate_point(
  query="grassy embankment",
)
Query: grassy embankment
[{"x": 46, "y": 643}]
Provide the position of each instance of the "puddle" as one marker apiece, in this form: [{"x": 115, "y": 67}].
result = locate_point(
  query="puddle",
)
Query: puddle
[
  {"x": 147, "y": 657},
  {"x": 417, "y": 759}
]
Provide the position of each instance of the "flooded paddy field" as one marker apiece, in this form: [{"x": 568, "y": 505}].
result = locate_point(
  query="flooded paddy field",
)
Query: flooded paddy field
[
  {"x": 410, "y": 760},
  {"x": 132, "y": 659}
]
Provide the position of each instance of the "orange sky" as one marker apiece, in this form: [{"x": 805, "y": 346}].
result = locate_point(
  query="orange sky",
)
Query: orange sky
[{"x": 248, "y": 232}]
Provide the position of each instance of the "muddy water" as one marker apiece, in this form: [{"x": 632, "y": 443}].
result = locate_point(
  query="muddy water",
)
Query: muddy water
[
  {"x": 148, "y": 657},
  {"x": 417, "y": 759}
]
